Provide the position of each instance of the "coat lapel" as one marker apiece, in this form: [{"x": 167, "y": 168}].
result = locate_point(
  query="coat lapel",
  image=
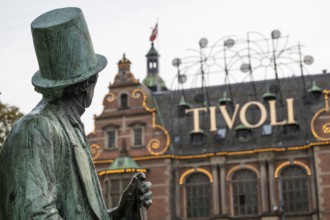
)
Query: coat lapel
[
  {"x": 82, "y": 162},
  {"x": 85, "y": 174}
]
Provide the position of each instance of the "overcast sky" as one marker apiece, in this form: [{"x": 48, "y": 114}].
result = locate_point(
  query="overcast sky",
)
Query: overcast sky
[{"x": 124, "y": 26}]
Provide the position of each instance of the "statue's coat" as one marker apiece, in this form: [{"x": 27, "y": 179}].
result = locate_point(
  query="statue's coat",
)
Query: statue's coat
[{"x": 46, "y": 170}]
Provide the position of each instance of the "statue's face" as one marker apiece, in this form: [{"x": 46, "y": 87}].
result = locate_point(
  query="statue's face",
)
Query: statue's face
[{"x": 90, "y": 91}]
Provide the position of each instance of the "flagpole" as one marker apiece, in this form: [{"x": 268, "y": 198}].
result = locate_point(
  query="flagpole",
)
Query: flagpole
[
  {"x": 158, "y": 50},
  {"x": 158, "y": 35}
]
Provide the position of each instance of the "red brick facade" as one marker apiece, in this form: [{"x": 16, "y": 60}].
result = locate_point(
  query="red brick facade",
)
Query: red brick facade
[{"x": 138, "y": 112}]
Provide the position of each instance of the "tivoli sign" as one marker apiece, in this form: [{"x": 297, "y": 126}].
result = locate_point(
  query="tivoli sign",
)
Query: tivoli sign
[{"x": 230, "y": 120}]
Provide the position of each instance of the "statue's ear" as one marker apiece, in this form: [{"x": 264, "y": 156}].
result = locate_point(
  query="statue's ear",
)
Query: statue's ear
[
  {"x": 83, "y": 86},
  {"x": 78, "y": 88}
]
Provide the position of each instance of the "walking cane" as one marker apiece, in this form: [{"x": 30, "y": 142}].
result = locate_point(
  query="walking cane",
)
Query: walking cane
[
  {"x": 141, "y": 209},
  {"x": 143, "y": 213}
]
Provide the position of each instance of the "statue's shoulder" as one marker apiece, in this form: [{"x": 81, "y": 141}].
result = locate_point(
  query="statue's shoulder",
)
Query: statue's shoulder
[
  {"x": 41, "y": 118},
  {"x": 39, "y": 123}
]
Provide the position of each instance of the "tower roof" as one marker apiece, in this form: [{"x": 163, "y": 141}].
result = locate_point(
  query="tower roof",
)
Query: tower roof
[{"x": 152, "y": 51}]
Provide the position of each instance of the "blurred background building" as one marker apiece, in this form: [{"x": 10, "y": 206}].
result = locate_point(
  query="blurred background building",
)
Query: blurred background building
[{"x": 235, "y": 144}]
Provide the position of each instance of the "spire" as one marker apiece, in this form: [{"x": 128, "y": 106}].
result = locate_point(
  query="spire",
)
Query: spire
[
  {"x": 152, "y": 61},
  {"x": 153, "y": 80}
]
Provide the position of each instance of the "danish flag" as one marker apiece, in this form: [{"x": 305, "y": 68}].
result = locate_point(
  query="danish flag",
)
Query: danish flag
[{"x": 154, "y": 33}]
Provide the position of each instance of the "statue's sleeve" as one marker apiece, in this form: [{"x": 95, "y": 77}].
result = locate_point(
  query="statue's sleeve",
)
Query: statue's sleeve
[{"x": 32, "y": 182}]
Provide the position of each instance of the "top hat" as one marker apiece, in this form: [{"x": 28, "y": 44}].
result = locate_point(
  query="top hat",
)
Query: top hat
[{"x": 64, "y": 49}]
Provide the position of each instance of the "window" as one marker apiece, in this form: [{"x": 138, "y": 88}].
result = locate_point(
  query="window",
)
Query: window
[
  {"x": 114, "y": 189},
  {"x": 137, "y": 133},
  {"x": 177, "y": 139},
  {"x": 294, "y": 186},
  {"x": 197, "y": 137},
  {"x": 243, "y": 133},
  {"x": 292, "y": 128},
  {"x": 115, "y": 192},
  {"x": 123, "y": 101},
  {"x": 152, "y": 64},
  {"x": 181, "y": 109},
  {"x": 138, "y": 136},
  {"x": 266, "y": 130},
  {"x": 221, "y": 134},
  {"x": 198, "y": 195},
  {"x": 245, "y": 193},
  {"x": 111, "y": 138}
]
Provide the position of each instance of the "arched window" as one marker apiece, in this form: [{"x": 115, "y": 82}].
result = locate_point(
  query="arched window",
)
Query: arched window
[
  {"x": 198, "y": 195},
  {"x": 293, "y": 182},
  {"x": 245, "y": 192},
  {"x": 123, "y": 101}
]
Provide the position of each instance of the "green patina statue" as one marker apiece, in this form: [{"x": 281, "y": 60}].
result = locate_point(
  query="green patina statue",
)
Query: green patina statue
[{"x": 46, "y": 170}]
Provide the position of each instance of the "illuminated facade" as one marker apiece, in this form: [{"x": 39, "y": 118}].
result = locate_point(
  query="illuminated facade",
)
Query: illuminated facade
[{"x": 249, "y": 157}]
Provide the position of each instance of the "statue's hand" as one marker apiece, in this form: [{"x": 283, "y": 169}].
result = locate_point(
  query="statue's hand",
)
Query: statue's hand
[
  {"x": 144, "y": 193},
  {"x": 134, "y": 196}
]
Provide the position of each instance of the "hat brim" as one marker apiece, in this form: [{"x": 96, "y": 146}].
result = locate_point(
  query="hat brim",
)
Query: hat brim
[{"x": 39, "y": 81}]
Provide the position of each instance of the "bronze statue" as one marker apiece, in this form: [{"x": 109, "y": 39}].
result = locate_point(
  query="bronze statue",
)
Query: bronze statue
[{"x": 46, "y": 170}]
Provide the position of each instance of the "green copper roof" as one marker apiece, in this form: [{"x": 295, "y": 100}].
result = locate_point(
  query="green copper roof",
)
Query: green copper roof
[
  {"x": 269, "y": 95},
  {"x": 123, "y": 162},
  {"x": 315, "y": 88},
  {"x": 152, "y": 80},
  {"x": 224, "y": 99},
  {"x": 241, "y": 127},
  {"x": 184, "y": 103},
  {"x": 196, "y": 132}
]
